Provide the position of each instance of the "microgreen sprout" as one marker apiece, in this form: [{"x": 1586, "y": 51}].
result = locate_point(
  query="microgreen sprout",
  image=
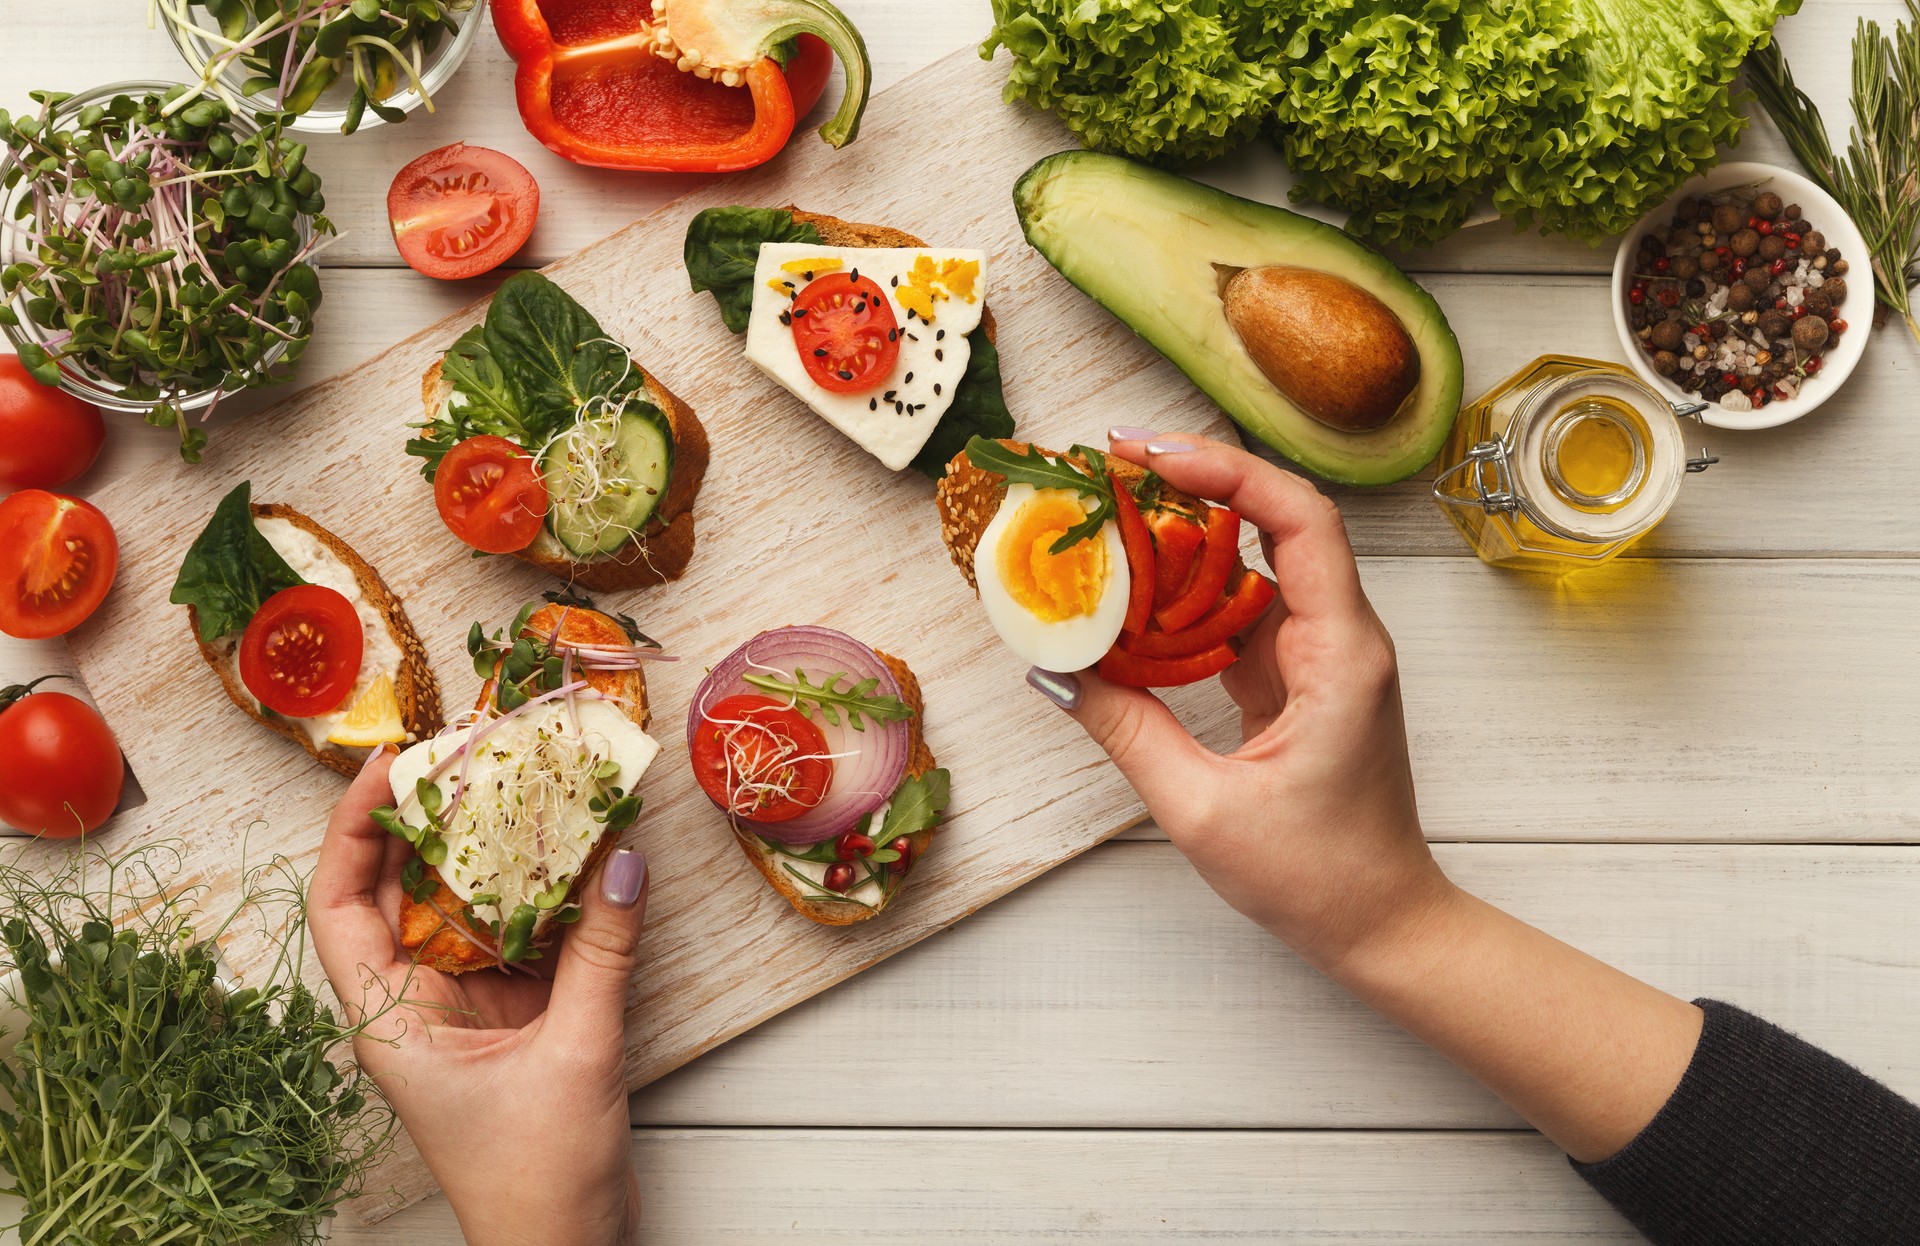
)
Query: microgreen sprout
[
  {"x": 160, "y": 252},
  {"x": 292, "y": 51}
]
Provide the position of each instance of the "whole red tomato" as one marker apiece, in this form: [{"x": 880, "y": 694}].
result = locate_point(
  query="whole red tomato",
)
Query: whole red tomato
[
  {"x": 60, "y": 767},
  {"x": 47, "y": 436}
]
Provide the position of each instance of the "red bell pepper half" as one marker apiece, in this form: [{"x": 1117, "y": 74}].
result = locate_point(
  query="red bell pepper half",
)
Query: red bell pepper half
[
  {"x": 1218, "y": 556},
  {"x": 1138, "y": 543},
  {"x": 1240, "y": 610},
  {"x": 594, "y": 81},
  {"x": 1134, "y": 671}
]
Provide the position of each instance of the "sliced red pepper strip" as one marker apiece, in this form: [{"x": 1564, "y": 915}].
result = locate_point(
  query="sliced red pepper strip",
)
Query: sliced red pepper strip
[
  {"x": 1176, "y": 539},
  {"x": 1139, "y": 546},
  {"x": 1121, "y": 667},
  {"x": 1242, "y": 607},
  {"x": 1217, "y": 558}
]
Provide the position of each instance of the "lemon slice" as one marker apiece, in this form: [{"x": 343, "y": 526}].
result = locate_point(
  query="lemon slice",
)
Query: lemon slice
[{"x": 372, "y": 720}]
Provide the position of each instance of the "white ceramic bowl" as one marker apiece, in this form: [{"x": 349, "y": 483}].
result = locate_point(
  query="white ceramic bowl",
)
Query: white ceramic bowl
[{"x": 1841, "y": 232}]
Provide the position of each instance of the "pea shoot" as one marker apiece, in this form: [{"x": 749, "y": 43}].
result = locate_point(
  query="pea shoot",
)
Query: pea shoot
[{"x": 166, "y": 253}]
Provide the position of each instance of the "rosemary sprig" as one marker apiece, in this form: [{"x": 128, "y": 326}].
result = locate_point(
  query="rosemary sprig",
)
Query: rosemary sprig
[
  {"x": 827, "y": 697},
  {"x": 1878, "y": 181}
]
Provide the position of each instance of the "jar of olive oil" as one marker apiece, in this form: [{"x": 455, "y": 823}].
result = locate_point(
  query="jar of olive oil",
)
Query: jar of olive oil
[{"x": 1563, "y": 465}]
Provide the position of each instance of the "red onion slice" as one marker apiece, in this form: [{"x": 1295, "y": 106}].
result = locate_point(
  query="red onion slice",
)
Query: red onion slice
[{"x": 868, "y": 765}]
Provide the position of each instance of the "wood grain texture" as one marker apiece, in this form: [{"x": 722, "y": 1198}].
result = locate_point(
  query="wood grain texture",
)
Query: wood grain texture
[{"x": 703, "y": 1187}]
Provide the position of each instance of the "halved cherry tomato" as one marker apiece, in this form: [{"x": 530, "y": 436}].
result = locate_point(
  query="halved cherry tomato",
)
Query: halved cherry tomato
[
  {"x": 47, "y": 436},
  {"x": 490, "y": 494},
  {"x": 1138, "y": 543},
  {"x": 760, "y": 759},
  {"x": 1134, "y": 671},
  {"x": 459, "y": 211},
  {"x": 60, "y": 768},
  {"x": 301, "y": 653},
  {"x": 1176, "y": 539},
  {"x": 1241, "y": 607},
  {"x": 845, "y": 331},
  {"x": 1217, "y": 557},
  {"x": 57, "y": 559}
]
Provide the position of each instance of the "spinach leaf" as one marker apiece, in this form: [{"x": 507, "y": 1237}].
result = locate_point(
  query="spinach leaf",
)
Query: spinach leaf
[
  {"x": 723, "y": 245},
  {"x": 916, "y": 806},
  {"x": 552, "y": 352},
  {"x": 979, "y": 410},
  {"x": 231, "y": 569}
]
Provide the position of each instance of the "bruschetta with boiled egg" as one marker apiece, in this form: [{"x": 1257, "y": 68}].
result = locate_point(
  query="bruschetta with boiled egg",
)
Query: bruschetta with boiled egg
[
  {"x": 545, "y": 439},
  {"x": 510, "y": 809},
  {"x": 304, "y": 635},
  {"x": 1083, "y": 560},
  {"x": 809, "y": 743},
  {"x": 886, "y": 338}
]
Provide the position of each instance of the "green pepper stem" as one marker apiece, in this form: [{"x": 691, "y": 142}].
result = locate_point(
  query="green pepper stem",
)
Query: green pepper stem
[{"x": 787, "y": 18}]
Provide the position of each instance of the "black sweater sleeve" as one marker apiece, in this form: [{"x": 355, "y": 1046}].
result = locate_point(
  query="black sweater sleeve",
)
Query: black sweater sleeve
[{"x": 1767, "y": 1139}]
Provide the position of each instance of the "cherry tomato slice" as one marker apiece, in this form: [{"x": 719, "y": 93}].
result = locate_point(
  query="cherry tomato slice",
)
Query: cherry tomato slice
[
  {"x": 47, "y": 436},
  {"x": 60, "y": 768},
  {"x": 760, "y": 759},
  {"x": 845, "y": 331},
  {"x": 490, "y": 494},
  {"x": 57, "y": 559},
  {"x": 301, "y": 653},
  {"x": 459, "y": 211}
]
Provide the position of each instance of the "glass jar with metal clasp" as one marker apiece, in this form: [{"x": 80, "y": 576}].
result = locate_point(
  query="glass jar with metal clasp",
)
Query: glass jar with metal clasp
[{"x": 1564, "y": 464}]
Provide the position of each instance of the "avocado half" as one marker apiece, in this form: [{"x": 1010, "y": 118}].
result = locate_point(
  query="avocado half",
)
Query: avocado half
[{"x": 1153, "y": 248}]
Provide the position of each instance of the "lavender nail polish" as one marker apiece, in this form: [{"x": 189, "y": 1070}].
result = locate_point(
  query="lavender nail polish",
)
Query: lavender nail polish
[
  {"x": 1169, "y": 447},
  {"x": 1063, "y": 690},
  {"x": 1120, "y": 432},
  {"x": 623, "y": 876}
]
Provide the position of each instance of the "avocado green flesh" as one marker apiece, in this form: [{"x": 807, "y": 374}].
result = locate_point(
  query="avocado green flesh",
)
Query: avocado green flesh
[
  {"x": 1145, "y": 244},
  {"x": 601, "y": 523}
]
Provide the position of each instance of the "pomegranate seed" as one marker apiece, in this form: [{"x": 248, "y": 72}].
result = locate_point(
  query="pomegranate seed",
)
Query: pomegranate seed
[
  {"x": 851, "y": 844},
  {"x": 1763, "y": 228},
  {"x": 904, "y": 847},
  {"x": 1662, "y": 264},
  {"x": 1636, "y": 296},
  {"x": 1778, "y": 266},
  {"x": 839, "y": 878}
]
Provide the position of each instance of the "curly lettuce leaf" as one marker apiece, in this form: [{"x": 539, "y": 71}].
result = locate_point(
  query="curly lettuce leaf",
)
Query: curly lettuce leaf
[{"x": 1169, "y": 81}]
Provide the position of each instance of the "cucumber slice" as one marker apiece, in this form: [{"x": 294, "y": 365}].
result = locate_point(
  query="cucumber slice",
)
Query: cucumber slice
[{"x": 605, "y": 476}]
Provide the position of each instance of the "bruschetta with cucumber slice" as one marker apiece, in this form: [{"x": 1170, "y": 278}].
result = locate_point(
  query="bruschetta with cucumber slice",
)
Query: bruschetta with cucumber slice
[{"x": 545, "y": 439}]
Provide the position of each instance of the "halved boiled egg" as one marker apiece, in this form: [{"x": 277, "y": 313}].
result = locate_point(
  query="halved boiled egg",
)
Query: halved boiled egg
[{"x": 1059, "y": 611}]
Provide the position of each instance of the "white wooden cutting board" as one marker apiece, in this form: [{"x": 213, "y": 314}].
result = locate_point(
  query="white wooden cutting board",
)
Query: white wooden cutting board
[{"x": 795, "y": 525}]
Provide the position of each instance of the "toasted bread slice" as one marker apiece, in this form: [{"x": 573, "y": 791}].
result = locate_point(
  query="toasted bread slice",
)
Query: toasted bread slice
[
  {"x": 424, "y": 928},
  {"x": 845, "y": 913},
  {"x": 835, "y": 232},
  {"x": 413, "y": 686},
  {"x": 664, "y": 547}
]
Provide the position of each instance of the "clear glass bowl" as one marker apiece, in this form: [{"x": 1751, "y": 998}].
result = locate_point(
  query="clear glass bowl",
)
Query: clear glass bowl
[
  {"x": 76, "y": 377},
  {"x": 330, "y": 112}
]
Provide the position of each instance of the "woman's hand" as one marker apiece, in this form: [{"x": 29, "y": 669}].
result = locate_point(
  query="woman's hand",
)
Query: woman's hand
[
  {"x": 512, "y": 1085},
  {"x": 1309, "y": 827}
]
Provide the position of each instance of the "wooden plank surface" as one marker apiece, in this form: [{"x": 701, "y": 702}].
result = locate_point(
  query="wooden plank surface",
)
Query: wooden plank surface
[{"x": 703, "y": 1187}]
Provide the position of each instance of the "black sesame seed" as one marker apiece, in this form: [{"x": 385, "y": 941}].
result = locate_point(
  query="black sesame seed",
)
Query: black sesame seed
[
  {"x": 940, "y": 335},
  {"x": 936, "y": 389},
  {"x": 893, "y": 281},
  {"x": 845, "y": 375},
  {"x": 873, "y": 404},
  {"x": 854, "y": 275},
  {"x": 909, "y": 379},
  {"x": 899, "y": 408},
  {"x": 786, "y": 317},
  {"x": 939, "y": 355},
  {"x": 799, "y": 312},
  {"x": 889, "y": 394},
  {"x": 913, "y": 337},
  {"x": 819, "y": 352},
  {"x": 893, "y": 335}
]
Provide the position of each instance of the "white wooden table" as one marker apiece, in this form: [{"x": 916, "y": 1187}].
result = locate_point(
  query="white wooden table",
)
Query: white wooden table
[{"x": 1700, "y": 766}]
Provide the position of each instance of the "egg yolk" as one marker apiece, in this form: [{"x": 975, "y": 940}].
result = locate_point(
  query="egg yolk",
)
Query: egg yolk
[{"x": 1051, "y": 587}]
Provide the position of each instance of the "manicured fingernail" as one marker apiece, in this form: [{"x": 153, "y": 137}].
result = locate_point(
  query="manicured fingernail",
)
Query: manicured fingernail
[
  {"x": 376, "y": 754},
  {"x": 624, "y": 875},
  {"x": 1169, "y": 447},
  {"x": 1120, "y": 432},
  {"x": 1062, "y": 690}
]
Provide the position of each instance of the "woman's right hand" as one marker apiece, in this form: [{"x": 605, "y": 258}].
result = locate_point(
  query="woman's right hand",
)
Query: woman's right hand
[{"x": 1309, "y": 827}]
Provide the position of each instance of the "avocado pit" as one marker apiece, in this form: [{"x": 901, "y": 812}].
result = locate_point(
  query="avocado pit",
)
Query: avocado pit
[{"x": 1337, "y": 352}]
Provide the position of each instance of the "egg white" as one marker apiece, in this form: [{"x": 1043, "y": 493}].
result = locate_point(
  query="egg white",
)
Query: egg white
[
  {"x": 1068, "y": 644},
  {"x": 935, "y": 355}
]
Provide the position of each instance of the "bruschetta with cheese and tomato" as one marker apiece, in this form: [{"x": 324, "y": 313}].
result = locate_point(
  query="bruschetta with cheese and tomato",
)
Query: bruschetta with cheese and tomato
[
  {"x": 545, "y": 439},
  {"x": 1083, "y": 560},
  {"x": 511, "y": 809},
  {"x": 304, "y": 635}
]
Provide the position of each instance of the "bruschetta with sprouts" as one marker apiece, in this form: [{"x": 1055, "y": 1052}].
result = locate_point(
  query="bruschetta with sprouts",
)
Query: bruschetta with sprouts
[
  {"x": 545, "y": 439},
  {"x": 511, "y": 808},
  {"x": 810, "y": 743}
]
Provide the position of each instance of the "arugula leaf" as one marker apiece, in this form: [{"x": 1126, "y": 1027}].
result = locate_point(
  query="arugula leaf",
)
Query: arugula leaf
[
  {"x": 230, "y": 570},
  {"x": 979, "y": 409},
  {"x": 858, "y": 701},
  {"x": 917, "y": 803},
  {"x": 1034, "y": 468},
  {"x": 723, "y": 245}
]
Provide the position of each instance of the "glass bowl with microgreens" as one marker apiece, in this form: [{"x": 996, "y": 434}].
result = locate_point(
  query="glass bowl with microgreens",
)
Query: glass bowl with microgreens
[
  {"x": 153, "y": 260},
  {"x": 328, "y": 65}
]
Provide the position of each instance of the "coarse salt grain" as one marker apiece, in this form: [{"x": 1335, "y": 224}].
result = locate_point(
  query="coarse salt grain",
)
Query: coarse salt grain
[{"x": 1734, "y": 400}]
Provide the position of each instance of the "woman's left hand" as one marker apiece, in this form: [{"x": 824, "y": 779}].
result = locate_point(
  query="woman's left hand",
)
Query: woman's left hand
[{"x": 512, "y": 1085}]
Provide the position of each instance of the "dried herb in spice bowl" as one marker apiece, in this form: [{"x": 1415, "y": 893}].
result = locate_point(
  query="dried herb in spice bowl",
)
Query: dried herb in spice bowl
[{"x": 1742, "y": 292}]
